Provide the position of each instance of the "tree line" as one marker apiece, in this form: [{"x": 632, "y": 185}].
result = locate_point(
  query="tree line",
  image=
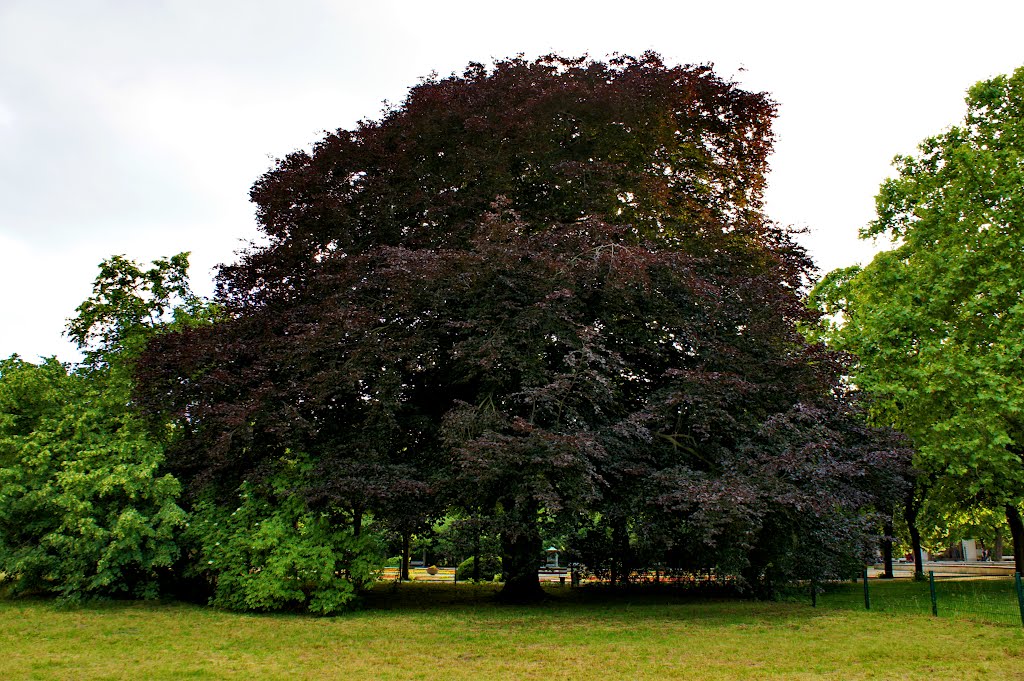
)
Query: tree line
[{"x": 538, "y": 301}]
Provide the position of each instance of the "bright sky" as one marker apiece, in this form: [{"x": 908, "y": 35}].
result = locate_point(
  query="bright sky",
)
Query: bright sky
[{"x": 136, "y": 127}]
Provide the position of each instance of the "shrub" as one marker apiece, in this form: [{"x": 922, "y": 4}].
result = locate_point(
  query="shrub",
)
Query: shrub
[
  {"x": 84, "y": 510},
  {"x": 274, "y": 552},
  {"x": 490, "y": 567}
]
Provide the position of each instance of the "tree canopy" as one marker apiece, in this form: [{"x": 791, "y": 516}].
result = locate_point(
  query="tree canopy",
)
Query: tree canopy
[
  {"x": 544, "y": 294},
  {"x": 85, "y": 509},
  {"x": 938, "y": 321}
]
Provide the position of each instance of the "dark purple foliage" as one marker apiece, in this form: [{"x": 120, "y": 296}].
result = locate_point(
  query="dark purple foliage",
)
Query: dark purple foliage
[{"x": 543, "y": 293}]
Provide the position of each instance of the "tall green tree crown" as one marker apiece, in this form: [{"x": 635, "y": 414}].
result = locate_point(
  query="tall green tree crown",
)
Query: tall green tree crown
[
  {"x": 85, "y": 509},
  {"x": 937, "y": 321}
]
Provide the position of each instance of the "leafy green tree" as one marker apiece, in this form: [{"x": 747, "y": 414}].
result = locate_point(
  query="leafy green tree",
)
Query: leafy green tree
[
  {"x": 937, "y": 322},
  {"x": 129, "y": 304},
  {"x": 84, "y": 510},
  {"x": 84, "y": 507}
]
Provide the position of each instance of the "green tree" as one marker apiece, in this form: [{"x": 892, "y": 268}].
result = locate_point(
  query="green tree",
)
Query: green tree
[
  {"x": 937, "y": 322},
  {"x": 129, "y": 304},
  {"x": 84, "y": 507}
]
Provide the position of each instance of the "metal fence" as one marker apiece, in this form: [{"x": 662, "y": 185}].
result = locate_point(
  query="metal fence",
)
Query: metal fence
[{"x": 989, "y": 599}]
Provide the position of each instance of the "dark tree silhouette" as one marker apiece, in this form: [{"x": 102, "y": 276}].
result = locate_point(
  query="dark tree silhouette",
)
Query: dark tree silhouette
[{"x": 544, "y": 293}]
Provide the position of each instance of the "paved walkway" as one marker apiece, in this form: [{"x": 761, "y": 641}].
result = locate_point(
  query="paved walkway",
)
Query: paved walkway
[
  {"x": 447, "y": 574},
  {"x": 951, "y": 568},
  {"x": 940, "y": 568}
]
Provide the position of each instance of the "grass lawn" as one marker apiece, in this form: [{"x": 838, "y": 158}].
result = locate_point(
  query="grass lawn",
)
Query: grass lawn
[{"x": 457, "y": 632}]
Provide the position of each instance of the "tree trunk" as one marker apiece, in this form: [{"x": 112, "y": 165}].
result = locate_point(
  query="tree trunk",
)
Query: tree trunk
[
  {"x": 406, "y": 541},
  {"x": 1017, "y": 533},
  {"x": 357, "y": 521},
  {"x": 476, "y": 555},
  {"x": 620, "y": 560},
  {"x": 910, "y": 511},
  {"x": 997, "y": 548},
  {"x": 758, "y": 575},
  {"x": 887, "y": 548},
  {"x": 521, "y": 549}
]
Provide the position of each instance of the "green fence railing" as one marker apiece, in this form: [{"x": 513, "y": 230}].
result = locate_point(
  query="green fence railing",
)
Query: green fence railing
[{"x": 989, "y": 599}]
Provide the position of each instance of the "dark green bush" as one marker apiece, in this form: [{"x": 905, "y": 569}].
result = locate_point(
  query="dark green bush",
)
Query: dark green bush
[{"x": 490, "y": 567}]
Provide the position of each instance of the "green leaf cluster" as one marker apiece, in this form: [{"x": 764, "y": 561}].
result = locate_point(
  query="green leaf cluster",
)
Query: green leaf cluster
[
  {"x": 937, "y": 321},
  {"x": 84, "y": 510},
  {"x": 128, "y": 303},
  {"x": 86, "y": 506},
  {"x": 273, "y": 552}
]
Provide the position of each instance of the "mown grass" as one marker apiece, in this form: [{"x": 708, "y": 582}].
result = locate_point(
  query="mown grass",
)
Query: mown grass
[{"x": 459, "y": 632}]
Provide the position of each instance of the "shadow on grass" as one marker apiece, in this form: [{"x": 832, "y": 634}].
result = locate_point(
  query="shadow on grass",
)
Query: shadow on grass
[
  {"x": 591, "y": 601},
  {"x": 635, "y": 605}
]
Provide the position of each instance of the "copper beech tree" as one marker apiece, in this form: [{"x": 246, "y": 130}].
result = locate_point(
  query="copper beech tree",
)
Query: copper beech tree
[{"x": 542, "y": 293}]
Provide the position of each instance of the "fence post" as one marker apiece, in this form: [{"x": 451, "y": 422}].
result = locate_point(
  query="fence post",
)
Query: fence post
[
  {"x": 1020, "y": 595},
  {"x": 814, "y": 594},
  {"x": 867, "y": 596},
  {"x": 931, "y": 589}
]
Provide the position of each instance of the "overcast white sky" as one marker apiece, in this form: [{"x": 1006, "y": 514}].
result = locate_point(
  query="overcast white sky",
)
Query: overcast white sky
[{"x": 136, "y": 127}]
